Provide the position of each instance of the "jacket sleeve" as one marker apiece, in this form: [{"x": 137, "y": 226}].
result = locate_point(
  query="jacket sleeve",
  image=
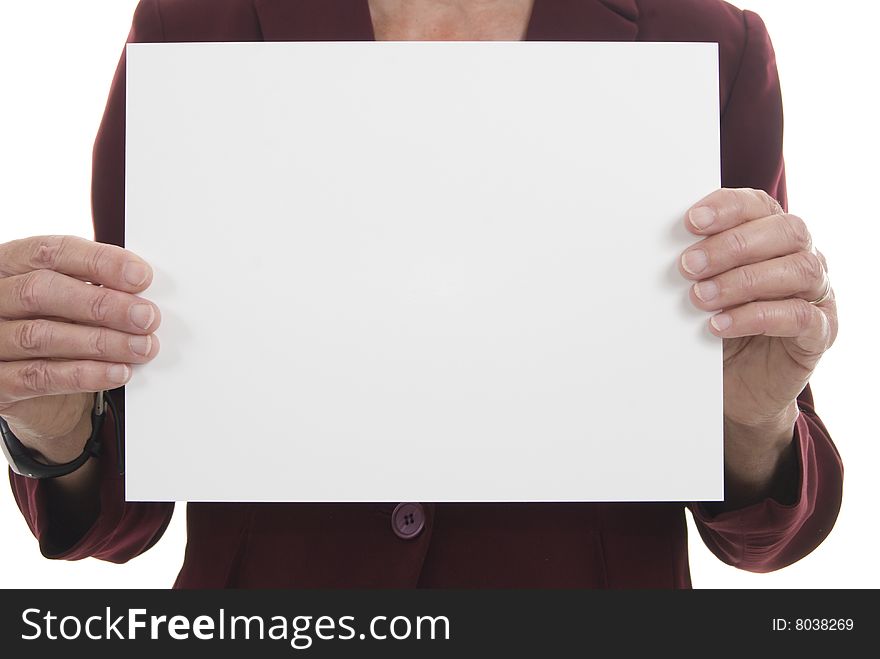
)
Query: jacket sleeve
[
  {"x": 769, "y": 535},
  {"x": 122, "y": 530}
]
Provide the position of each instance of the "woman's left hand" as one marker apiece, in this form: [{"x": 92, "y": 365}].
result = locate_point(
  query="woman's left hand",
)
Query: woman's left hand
[{"x": 756, "y": 269}]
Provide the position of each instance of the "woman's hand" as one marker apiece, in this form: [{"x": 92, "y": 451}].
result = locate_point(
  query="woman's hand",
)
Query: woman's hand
[
  {"x": 772, "y": 303},
  {"x": 62, "y": 339}
]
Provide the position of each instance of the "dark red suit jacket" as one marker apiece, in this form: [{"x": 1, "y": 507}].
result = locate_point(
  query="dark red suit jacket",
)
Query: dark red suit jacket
[{"x": 466, "y": 545}]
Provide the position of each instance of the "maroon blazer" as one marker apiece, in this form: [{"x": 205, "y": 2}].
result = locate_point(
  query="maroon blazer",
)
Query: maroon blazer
[{"x": 465, "y": 545}]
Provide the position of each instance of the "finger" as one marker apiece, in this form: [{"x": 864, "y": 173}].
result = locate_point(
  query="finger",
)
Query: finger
[
  {"x": 796, "y": 275},
  {"x": 821, "y": 258},
  {"x": 42, "y": 377},
  {"x": 77, "y": 257},
  {"x": 729, "y": 207},
  {"x": 752, "y": 242},
  {"x": 782, "y": 318},
  {"x": 41, "y": 293},
  {"x": 34, "y": 339}
]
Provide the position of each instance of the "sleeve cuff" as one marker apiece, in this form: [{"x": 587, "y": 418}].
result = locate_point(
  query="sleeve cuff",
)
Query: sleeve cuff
[
  {"x": 31, "y": 497},
  {"x": 769, "y": 535},
  {"x": 121, "y": 531}
]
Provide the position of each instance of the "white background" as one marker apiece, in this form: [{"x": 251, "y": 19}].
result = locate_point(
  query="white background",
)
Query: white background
[{"x": 57, "y": 61}]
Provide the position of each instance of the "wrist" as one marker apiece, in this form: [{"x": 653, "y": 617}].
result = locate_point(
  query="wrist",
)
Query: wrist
[
  {"x": 760, "y": 461},
  {"x": 767, "y": 437},
  {"x": 53, "y": 448}
]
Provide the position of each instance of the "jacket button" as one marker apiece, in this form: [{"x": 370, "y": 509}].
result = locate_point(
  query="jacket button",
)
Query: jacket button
[{"x": 408, "y": 520}]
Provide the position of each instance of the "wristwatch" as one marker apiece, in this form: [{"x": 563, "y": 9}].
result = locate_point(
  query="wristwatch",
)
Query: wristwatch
[{"x": 22, "y": 462}]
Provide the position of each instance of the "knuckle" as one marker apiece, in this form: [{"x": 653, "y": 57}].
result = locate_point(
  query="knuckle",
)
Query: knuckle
[
  {"x": 762, "y": 317},
  {"x": 77, "y": 377},
  {"x": 46, "y": 250},
  {"x": 34, "y": 336},
  {"x": 36, "y": 378},
  {"x": 832, "y": 324},
  {"x": 809, "y": 267},
  {"x": 734, "y": 199},
  {"x": 30, "y": 289},
  {"x": 748, "y": 280},
  {"x": 97, "y": 261},
  {"x": 827, "y": 331},
  {"x": 101, "y": 304},
  {"x": 771, "y": 204},
  {"x": 98, "y": 342},
  {"x": 796, "y": 232},
  {"x": 803, "y": 314},
  {"x": 726, "y": 195},
  {"x": 735, "y": 244}
]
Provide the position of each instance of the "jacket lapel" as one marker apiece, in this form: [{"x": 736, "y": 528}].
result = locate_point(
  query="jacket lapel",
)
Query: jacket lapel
[
  {"x": 315, "y": 20},
  {"x": 349, "y": 20}
]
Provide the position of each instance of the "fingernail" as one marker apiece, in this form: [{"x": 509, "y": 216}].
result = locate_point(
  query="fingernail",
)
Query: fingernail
[
  {"x": 721, "y": 321},
  {"x": 706, "y": 290},
  {"x": 118, "y": 373},
  {"x": 142, "y": 315},
  {"x": 135, "y": 273},
  {"x": 694, "y": 261},
  {"x": 701, "y": 217},
  {"x": 140, "y": 345}
]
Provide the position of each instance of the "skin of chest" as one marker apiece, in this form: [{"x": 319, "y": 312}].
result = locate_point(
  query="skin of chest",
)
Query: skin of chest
[{"x": 450, "y": 20}]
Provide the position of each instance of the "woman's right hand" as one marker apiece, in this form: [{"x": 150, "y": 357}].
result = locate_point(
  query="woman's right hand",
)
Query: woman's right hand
[{"x": 63, "y": 339}]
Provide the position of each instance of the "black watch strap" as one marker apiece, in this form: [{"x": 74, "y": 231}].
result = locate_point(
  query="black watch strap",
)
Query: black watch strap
[{"x": 24, "y": 464}]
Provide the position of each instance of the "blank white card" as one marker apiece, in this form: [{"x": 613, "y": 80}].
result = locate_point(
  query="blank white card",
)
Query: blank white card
[{"x": 422, "y": 271}]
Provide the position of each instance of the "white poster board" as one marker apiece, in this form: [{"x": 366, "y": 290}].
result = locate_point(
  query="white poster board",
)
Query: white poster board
[{"x": 421, "y": 271}]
